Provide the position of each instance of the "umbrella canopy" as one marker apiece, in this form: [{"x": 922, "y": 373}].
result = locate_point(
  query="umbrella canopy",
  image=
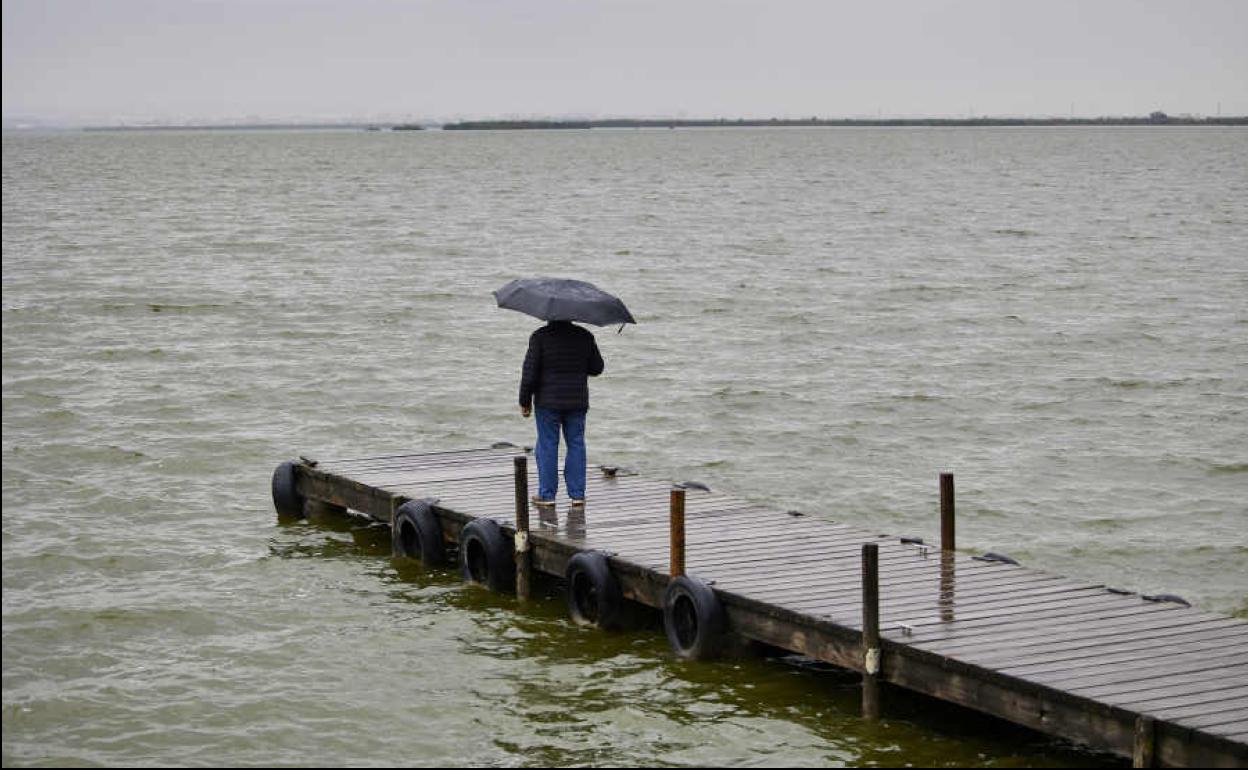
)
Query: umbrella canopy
[{"x": 563, "y": 299}]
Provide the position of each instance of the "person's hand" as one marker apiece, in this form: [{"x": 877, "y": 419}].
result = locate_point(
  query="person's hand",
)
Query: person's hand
[{"x": 525, "y": 411}]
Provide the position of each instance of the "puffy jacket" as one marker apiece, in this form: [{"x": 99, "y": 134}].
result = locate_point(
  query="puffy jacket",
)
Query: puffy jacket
[{"x": 561, "y": 358}]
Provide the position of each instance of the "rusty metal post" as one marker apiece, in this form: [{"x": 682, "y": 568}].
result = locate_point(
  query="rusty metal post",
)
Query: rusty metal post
[
  {"x": 524, "y": 565},
  {"x": 946, "y": 512},
  {"x": 870, "y": 631},
  {"x": 678, "y": 532}
]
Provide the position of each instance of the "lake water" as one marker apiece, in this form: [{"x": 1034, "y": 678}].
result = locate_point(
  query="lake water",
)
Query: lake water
[{"x": 828, "y": 318}]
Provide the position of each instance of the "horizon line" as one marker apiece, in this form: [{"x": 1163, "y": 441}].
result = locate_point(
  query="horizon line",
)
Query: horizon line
[{"x": 18, "y": 123}]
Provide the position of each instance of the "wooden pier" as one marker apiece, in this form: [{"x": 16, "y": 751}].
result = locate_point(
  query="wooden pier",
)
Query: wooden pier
[{"x": 1157, "y": 681}]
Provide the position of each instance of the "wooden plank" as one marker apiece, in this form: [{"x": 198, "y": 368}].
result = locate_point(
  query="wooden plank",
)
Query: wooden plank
[
  {"x": 1126, "y": 674},
  {"x": 478, "y": 495},
  {"x": 779, "y": 579},
  {"x": 756, "y": 560},
  {"x": 1086, "y": 649},
  {"x": 1219, "y": 697},
  {"x": 774, "y": 573},
  {"x": 357, "y": 471},
  {"x": 603, "y": 488},
  {"x": 474, "y": 495},
  {"x": 1213, "y": 700},
  {"x": 313, "y": 484},
  {"x": 982, "y": 617},
  {"x": 984, "y": 652},
  {"x": 828, "y": 592},
  {"x": 761, "y": 547},
  {"x": 763, "y": 563},
  {"x": 830, "y": 568},
  {"x": 729, "y": 540},
  {"x": 604, "y": 492},
  {"x": 978, "y": 615},
  {"x": 445, "y": 454},
  {"x": 949, "y": 638},
  {"x": 428, "y": 471},
  {"x": 918, "y": 600},
  {"x": 1156, "y": 674},
  {"x": 988, "y": 655},
  {"x": 1229, "y": 717},
  {"x": 923, "y": 598},
  {"x": 1174, "y": 682},
  {"x": 620, "y": 529},
  {"x": 994, "y": 605},
  {"x": 618, "y": 541},
  {"x": 1127, "y": 651},
  {"x": 983, "y": 632},
  {"x": 624, "y": 518}
]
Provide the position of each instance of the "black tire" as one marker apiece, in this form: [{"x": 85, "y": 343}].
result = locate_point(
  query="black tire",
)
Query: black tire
[
  {"x": 286, "y": 500},
  {"x": 417, "y": 534},
  {"x": 485, "y": 556},
  {"x": 694, "y": 619},
  {"x": 594, "y": 595}
]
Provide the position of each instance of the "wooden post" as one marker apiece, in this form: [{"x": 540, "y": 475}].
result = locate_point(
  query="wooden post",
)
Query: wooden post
[
  {"x": 523, "y": 562},
  {"x": 946, "y": 512},
  {"x": 1144, "y": 753},
  {"x": 870, "y": 631},
  {"x": 678, "y": 532}
]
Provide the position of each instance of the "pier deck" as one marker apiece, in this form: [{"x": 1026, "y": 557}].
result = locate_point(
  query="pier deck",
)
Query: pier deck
[{"x": 1060, "y": 655}]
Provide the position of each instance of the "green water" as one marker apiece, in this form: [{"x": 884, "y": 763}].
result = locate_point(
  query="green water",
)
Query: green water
[{"x": 828, "y": 319}]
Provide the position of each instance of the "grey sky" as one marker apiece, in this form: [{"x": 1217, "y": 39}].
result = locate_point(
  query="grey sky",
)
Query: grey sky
[{"x": 101, "y": 60}]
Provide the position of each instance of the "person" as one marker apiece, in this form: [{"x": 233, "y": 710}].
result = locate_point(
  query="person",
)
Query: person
[{"x": 555, "y": 380}]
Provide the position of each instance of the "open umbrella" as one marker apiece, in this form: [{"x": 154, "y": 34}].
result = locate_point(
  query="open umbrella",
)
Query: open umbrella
[{"x": 563, "y": 299}]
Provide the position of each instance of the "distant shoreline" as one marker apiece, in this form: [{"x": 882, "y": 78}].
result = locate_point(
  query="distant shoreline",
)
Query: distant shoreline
[
  {"x": 1157, "y": 119},
  {"x": 512, "y": 125}
]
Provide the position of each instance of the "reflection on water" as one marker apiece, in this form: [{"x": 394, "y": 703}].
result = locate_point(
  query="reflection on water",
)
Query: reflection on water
[
  {"x": 576, "y": 527},
  {"x": 948, "y": 585}
]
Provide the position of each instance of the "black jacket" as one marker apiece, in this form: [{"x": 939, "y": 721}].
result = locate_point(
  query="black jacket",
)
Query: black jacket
[{"x": 561, "y": 357}]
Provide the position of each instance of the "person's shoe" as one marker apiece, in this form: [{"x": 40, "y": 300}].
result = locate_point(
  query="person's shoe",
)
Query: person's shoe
[
  {"x": 577, "y": 502},
  {"x": 540, "y": 503}
]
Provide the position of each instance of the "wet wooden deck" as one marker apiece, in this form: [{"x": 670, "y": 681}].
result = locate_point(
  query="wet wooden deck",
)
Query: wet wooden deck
[{"x": 1057, "y": 654}]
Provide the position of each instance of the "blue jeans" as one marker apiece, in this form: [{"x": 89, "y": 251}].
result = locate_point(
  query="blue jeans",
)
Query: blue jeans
[{"x": 549, "y": 421}]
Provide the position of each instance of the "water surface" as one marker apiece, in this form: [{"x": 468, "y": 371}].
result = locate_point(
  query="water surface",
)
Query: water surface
[{"x": 828, "y": 319}]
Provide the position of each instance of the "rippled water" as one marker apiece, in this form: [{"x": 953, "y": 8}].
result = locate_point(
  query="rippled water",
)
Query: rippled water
[{"x": 828, "y": 318}]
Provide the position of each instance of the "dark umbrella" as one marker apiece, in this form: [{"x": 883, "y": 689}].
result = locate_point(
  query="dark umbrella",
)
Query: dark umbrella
[{"x": 562, "y": 299}]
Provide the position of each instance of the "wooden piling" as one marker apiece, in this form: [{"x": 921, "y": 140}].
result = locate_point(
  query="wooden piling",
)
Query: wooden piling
[
  {"x": 946, "y": 512},
  {"x": 870, "y": 631},
  {"x": 1144, "y": 754},
  {"x": 524, "y": 565},
  {"x": 678, "y": 532}
]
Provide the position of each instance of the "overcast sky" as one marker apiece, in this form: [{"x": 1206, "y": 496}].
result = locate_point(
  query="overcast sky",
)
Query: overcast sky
[{"x": 105, "y": 60}]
